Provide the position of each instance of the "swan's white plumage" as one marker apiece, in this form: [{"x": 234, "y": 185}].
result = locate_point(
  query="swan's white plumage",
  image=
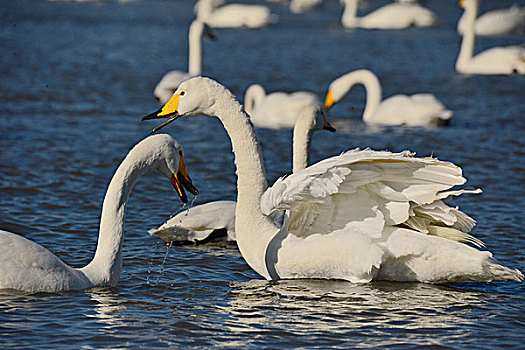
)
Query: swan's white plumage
[
  {"x": 391, "y": 16},
  {"x": 498, "y": 60},
  {"x": 198, "y": 223},
  {"x": 497, "y": 22},
  {"x": 217, "y": 15},
  {"x": 277, "y": 109},
  {"x": 29, "y": 267},
  {"x": 415, "y": 110},
  {"x": 301, "y": 6},
  {"x": 340, "y": 228}
]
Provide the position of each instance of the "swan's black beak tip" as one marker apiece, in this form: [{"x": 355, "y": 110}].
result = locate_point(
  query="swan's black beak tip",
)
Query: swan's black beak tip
[{"x": 329, "y": 128}]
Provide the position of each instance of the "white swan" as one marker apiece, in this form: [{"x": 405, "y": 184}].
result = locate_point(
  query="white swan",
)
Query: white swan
[
  {"x": 302, "y": 6},
  {"x": 415, "y": 110},
  {"x": 217, "y": 15},
  {"x": 497, "y": 22},
  {"x": 497, "y": 60},
  {"x": 360, "y": 216},
  {"x": 27, "y": 266},
  {"x": 215, "y": 220},
  {"x": 391, "y": 16},
  {"x": 171, "y": 80},
  {"x": 278, "y": 109}
]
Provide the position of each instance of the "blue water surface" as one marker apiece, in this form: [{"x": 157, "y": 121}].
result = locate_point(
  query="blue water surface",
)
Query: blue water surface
[{"x": 77, "y": 76}]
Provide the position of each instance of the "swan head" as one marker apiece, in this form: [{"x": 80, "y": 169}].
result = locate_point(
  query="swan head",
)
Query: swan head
[
  {"x": 312, "y": 117},
  {"x": 468, "y": 4},
  {"x": 194, "y": 96},
  {"x": 336, "y": 91},
  {"x": 163, "y": 153}
]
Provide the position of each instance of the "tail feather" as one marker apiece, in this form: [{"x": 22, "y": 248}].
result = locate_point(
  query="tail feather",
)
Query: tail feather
[{"x": 498, "y": 272}]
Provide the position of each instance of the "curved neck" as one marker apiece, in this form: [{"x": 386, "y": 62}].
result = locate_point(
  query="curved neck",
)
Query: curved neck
[
  {"x": 106, "y": 266},
  {"x": 344, "y": 84},
  {"x": 253, "y": 229},
  {"x": 253, "y": 96},
  {"x": 349, "y": 18},
  {"x": 467, "y": 43},
  {"x": 204, "y": 9},
  {"x": 195, "y": 48}
]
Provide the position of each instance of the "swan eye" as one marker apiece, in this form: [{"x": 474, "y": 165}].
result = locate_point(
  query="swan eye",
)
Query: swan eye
[{"x": 182, "y": 93}]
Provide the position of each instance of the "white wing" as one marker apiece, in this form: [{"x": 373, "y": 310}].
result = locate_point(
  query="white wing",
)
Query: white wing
[
  {"x": 197, "y": 223},
  {"x": 366, "y": 190}
]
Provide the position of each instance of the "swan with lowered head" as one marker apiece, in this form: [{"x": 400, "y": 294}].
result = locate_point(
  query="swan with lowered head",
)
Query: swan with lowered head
[
  {"x": 414, "y": 110},
  {"x": 217, "y": 15},
  {"x": 360, "y": 216},
  {"x": 171, "y": 80},
  {"x": 216, "y": 220},
  {"x": 497, "y": 22},
  {"x": 278, "y": 109},
  {"x": 28, "y": 267},
  {"x": 497, "y": 60},
  {"x": 391, "y": 16}
]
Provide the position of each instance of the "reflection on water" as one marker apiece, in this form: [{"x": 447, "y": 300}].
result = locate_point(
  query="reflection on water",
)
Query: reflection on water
[
  {"x": 309, "y": 308},
  {"x": 108, "y": 307}
]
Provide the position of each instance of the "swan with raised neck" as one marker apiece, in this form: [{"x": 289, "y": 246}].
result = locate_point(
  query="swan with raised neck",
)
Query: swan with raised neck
[
  {"x": 497, "y": 60},
  {"x": 171, "y": 80},
  {"x": 29, "y": 267},
  {"x": 220, "y": 215},
  {"x": 344, "y": 223}
]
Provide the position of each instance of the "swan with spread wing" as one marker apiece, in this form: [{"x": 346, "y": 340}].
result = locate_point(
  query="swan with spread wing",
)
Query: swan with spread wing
[{"x": 360, "y": 216}]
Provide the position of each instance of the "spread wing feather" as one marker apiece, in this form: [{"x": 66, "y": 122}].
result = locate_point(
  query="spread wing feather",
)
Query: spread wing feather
[{"x": 366, "y": 190}]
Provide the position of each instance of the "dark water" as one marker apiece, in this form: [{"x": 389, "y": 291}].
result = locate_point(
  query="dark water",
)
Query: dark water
[{"x": 77, "y": 77}]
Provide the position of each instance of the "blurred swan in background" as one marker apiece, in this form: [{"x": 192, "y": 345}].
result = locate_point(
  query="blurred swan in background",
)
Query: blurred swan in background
[
  {"x": 277, "y": 109},
  {"x": 497, "y": 22},
  {"x": 214, "y": 220},
  {"x": 391, "y": 16},
  {"x": 415, "y": 110},
  {"x": 27, "y": 266},
  {"x": 497, "y": 60},
  {"x": 301, "y": 6},
  {"x": 218, "y": 15},
  {"x": 360, "y": 216},
  {"x": 171, "y": 80}
]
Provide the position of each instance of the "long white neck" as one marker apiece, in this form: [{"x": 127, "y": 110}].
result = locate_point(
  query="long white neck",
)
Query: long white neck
[
  {"x": 253, "y": 229},
  {"x": 344, "y": 84},
  {"x": 204, "y": 9},
  {"x": 302, "y": 136},
  {"x": 349, "y": 18},
  {"x": 195, "y": 48},
  {"x": 467, "y": 44},
  {"x": 253, "y": 96},
  {"x": 106, "y": 266}
]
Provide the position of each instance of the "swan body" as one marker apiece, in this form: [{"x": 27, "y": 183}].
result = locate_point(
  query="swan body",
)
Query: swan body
[
  {"x": 205, "y": 222},
  {"x": 360, "y": 216},
  {"x": 415, "y": 110},
  {"x": 217, "y": 15},
  {"x": 391, "y": 16},
  {"x": 498, "y": 60},
  {"x": 29, "y": 267},
  {"x": 276, "y": 110},
  {"x": 301, "y": 6},
  {"x": 171, "y": 80},
  {"x": 497, "y": 22}
]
